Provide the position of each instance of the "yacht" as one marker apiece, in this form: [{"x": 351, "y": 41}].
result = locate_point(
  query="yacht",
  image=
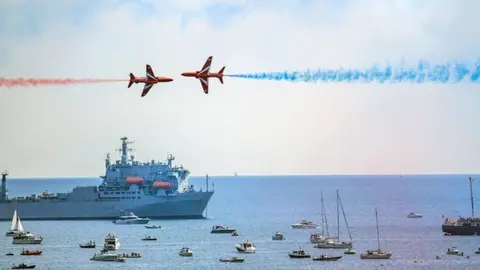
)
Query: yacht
[
  {"x": 111, "y": 242},
  {"x": 299, "y": 253},
  {"x": 278, "y": 236},
  {"x": 222, "y": 229},
  {"x": 245, "y": 247},
  {"x": 130, "y": 218},
  {"x": 333, "y": 244},
  {"x": 108, "y": 257},
  {"x": 414, "y": 215},
  {"x": 16, "y": 225},
  {"x": 453, "y": 251},
  {"x": 379, "y": 253},
  {"x": 304, "y": 224},
  {"x": 186, "y": 252},
  {"x": 27, "y": 239}
]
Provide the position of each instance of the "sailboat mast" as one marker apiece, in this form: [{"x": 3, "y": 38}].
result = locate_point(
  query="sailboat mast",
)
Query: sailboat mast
[
  {"x": 471, "y": 196},
  {"x": 323, "y": 216},
  {"x": 345, "y": 218},
  {"x": 378, "y": 234},
  {"x": 338, "y": 218}
]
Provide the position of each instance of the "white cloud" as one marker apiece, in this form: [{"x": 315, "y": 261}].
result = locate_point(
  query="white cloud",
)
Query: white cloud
[{"x": 246, "y": 126}]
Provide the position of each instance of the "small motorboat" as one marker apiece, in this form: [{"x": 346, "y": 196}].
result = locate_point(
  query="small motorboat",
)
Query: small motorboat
[
  {"x": 234, "y": 233},
  {"x": 89, "y": 244},
  {"x": 245, "y": 247},
  {"x": 186, "y": 252},
  {"x": 477, "y": 251},
  {"x": 299, "y": 253},
  {"x": 108, "y": 257},
  {"x": 153, "y": 227},
  {"x": 414, "y": 215},
  {"x": 349, "y": 251},
  {"x": 278, "y": 236},
  {"x": 132, "y": 255},
  {"x": 233, "y": 259},
  {"x": 9, "y": 254},
  {"x": 304, "y": 224},
  {"x": 27, "y": 252},
  {"x": 326, "y": 258},
  {"x": 23, "y": 266},
  {"x": 454, "y": 251},
  {"x": 222, "y": 229},
  {"x": 149, "y": 238}
]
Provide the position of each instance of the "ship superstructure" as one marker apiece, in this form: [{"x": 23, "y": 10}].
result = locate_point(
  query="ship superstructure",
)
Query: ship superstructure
[{"x": 153, "y": 189}]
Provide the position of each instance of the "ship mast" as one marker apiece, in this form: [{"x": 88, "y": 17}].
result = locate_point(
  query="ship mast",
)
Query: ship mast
[
  {"x": 124, "y": 150},
  {"x": 471, "y": 196}
]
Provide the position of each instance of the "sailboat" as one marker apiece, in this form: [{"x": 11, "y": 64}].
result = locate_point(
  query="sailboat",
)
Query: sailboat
[
  {"x": 325, "y": 235},
  {"x": 335, "y": 243},
  {"x": 16, "y": 226},
  {"x": 379, "y": 253}
]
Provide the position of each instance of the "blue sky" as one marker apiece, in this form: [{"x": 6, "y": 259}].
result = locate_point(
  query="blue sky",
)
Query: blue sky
[{"x": 252, "y": 127}]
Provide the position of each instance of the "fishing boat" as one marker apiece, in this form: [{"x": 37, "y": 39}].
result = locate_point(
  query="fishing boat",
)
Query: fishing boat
[
  {"x": 233, "y": 259},
  {"x": 27, "y": 252},
  {"x": 89, "y": 244},
  {"x": 299, "y": 253},
  {"x": 326, "y": 258},
  {"x": 379, "y": 253}
]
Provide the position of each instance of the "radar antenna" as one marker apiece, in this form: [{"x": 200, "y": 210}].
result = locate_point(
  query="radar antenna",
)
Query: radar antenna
[
  {"x": 170, "y": 158},
  {"x": 124, "y": 150}
]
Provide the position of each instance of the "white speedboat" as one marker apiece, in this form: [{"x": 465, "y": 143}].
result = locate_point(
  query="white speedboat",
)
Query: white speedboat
[
  {"x": 414, "y": 215},
  {"x": 111, "y": 242},
  {"x": 245, "y": 247},
  {"x": 130, "y": 218},
  {"x": 222, "y": 229},
  {"x": 108, "y": 257},
  {"x": 186, "y": 252},
  {"x": 27, "y": 239},
  {"x": 16, "y": 225},
  {"x": 304, "y": 224},
  {"x": 278, "y": 236}
]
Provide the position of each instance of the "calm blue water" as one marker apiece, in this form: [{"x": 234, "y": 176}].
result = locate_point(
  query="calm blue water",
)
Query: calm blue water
[{"x": 259, "y": 206}]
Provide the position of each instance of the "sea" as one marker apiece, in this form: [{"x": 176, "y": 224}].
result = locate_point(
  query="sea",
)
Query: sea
[{"x": 258, "y": 206}]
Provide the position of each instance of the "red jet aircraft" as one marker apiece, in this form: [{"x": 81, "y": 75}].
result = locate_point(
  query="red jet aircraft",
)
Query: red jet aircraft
[
  {"x": 149, "y": 80},
  {"x": 204, "y": 74}
]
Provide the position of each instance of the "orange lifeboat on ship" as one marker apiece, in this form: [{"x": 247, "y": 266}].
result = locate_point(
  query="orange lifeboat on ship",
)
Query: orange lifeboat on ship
[
  {"x": 134, "y": 180},
  {"x": 160, "y": 184}
]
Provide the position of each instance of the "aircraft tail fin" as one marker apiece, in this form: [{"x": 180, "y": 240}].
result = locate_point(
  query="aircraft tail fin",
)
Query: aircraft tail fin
[
  {"x": 132, "y": 78},
  {"x": 220, "y": 73}
]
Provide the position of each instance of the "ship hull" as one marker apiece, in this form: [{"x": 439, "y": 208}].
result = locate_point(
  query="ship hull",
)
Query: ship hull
[
  {"x": 189, "y": 205},
  {"x": 461, "y": 230}
]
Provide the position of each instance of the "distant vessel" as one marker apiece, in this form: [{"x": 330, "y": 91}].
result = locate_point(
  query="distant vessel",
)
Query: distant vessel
[
  {"x": 108, "y": 257},
  {"x": 414, "y": 215},
  {"x": 379, "y": 253},
  {"x": 111, "y": 242},
  {"x": 222, "y": 229},
  {"x": 153, "y": 189},
  {"x": 16, "y": 225},
  {"x": 463, "y": 225},
  {"x": 278, "y": 236},
  {"x": 130, "y": 218},
  {"x": 27, "y": 239},
  {"x": 299, "y": 253},
  {"x": 304, "y": 224},
  {"x": 336, "y": 243},
  {"x": 245, "y": 247},
  {"x": 324, "y": 235}
]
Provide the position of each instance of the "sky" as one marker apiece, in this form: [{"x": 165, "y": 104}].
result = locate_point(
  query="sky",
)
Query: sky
[{"x": 245, "y": 126}]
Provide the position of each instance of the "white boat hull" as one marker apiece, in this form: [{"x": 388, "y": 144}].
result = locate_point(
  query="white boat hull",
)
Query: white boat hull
[
  {"x": 112, "y": 247},
  {"x": 129, "y": 222},
  {"x": 303, "y": 226},
  {"x": 35, "y": 241},
  {"x": 108, "y": 258}
]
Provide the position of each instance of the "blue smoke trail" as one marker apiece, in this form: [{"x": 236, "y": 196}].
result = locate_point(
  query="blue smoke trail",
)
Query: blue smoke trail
[{"x": 423, "y": 72}]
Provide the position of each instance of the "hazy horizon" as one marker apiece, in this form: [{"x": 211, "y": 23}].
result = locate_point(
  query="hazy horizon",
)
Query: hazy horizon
[{"x": 249, "y": 126}]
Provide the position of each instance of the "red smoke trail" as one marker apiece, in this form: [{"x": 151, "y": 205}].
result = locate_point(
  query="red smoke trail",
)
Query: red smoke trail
[{"x": 23, "y": 82}]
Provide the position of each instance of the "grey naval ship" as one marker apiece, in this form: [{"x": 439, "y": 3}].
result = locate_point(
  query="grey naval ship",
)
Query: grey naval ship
[{"x": 157, "y": 190}]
